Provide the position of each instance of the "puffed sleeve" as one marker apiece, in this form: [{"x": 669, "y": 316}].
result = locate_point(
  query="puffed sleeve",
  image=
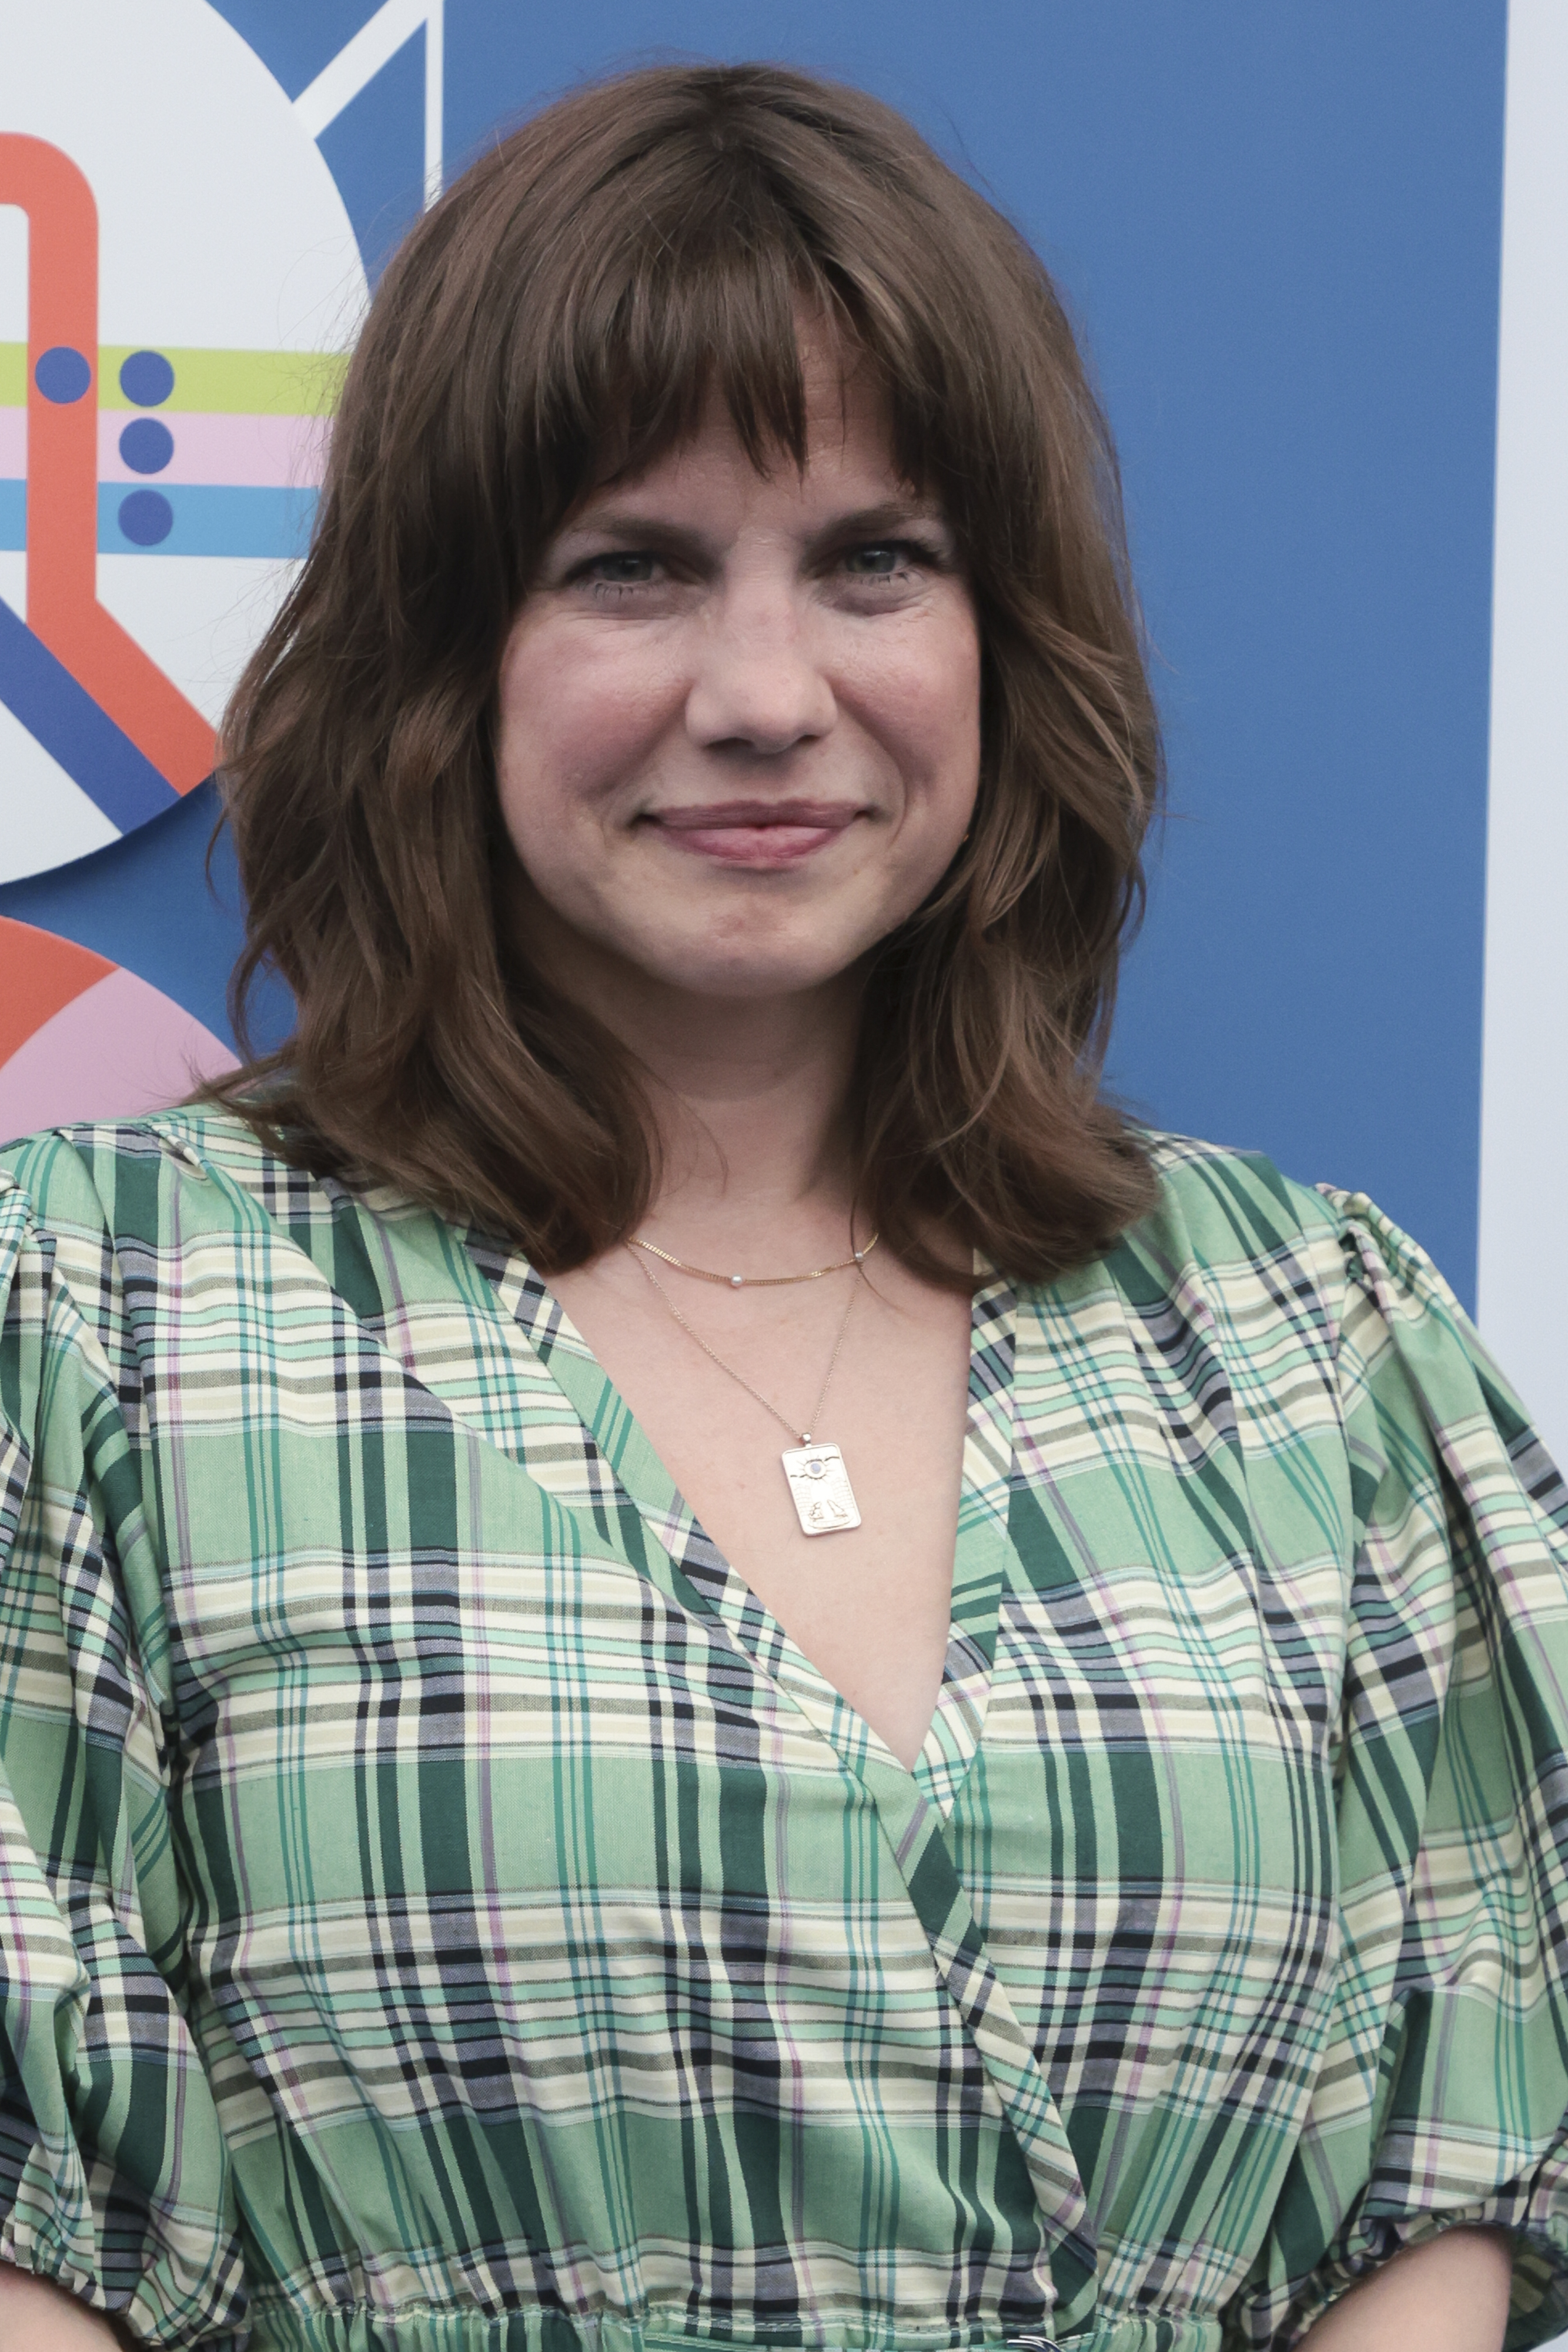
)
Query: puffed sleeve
[
  {"x": 114, "y": 2180},
  {"x": 1443, "y": 2091}
]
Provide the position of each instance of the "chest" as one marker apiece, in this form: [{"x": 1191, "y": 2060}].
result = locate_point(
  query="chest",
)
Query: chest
[
  {"x": 725, "y": 1386},
  {"x": 440, "y": 1519},
  {"x": 444, "y": 1602}
]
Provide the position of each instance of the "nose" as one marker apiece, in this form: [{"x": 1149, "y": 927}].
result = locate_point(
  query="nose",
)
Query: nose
[{"x": 759, "y": 685}]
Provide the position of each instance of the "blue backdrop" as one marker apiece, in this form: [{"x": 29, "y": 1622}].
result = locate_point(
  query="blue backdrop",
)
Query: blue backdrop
[{"x": 1277, "y": 227}]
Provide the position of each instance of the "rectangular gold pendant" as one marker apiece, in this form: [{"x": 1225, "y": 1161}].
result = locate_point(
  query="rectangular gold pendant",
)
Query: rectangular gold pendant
[{"x": 825, "y": 1499}]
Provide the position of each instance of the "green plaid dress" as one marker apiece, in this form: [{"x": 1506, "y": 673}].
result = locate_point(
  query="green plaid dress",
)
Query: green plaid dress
[{"x": 444, "y": 1912}]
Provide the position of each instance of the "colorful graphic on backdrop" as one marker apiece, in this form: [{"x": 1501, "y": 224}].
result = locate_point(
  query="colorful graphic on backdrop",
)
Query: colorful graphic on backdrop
[
  {"x": 81, "y": 1038},
  {"x": 177, "y": 283}
]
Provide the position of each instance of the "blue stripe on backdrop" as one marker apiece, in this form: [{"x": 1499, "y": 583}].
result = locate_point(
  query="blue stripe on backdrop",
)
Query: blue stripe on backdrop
[
  {"x": 183, "y": 518},
  {"x": 74, "y": 730},
  {"x": 203, "y": 518}
]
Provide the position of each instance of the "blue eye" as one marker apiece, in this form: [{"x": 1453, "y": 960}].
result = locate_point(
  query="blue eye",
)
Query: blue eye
[
  {"x": 622, "y": 570},
  {"x": 880, "y": 561}
]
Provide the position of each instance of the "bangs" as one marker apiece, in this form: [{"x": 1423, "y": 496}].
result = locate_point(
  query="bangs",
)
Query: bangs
[{"x": 706, "y": 282}]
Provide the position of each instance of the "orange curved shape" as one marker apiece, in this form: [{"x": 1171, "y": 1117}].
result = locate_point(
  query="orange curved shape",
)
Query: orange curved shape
[
  {"x": 39, "y": 975},
  {"x": 62, "y": 473}
]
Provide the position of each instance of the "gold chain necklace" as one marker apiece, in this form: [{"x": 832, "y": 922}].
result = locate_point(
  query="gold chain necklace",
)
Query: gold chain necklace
[
  {"x": 819, "y": 1484},
  {"x": 756, "y": 1281}
]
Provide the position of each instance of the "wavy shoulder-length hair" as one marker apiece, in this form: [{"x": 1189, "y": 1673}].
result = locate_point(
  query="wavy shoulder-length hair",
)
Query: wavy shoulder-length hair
[{"x": 561, "y": 316}]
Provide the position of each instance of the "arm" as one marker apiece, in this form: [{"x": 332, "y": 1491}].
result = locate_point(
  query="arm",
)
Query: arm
[
  {"x": 113, "y": 2167},
  {"x": 1448, "y": 2294},
  {"x": 37, "y": 2317},
  {"x": 1441, "y": 2092}
]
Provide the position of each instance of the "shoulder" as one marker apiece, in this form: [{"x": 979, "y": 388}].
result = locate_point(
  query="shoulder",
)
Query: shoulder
[
  {"x": 145, "y": 1185},
  {"x": 107, "y": 1155},
  {"x": 1221, "y": 1197},
  {"x": 1226, "y": 1212},
  {"x": 1222, "y": 1208},
  {"x": 162, "y": 1218},
  {"x": 1235, "y": 1241}
]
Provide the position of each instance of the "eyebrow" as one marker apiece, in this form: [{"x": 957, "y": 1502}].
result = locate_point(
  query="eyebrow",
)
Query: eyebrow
[{"x": 878, "y": 521}]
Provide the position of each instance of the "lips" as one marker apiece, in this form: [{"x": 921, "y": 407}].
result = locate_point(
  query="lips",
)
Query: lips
[{"x": 754, "y": 833}]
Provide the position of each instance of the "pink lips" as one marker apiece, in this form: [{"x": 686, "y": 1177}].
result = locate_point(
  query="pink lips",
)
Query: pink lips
[{"x": 755, "y": 832}]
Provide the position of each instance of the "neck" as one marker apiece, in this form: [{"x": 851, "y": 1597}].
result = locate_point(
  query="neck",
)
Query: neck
[
  {"x": 749, "y": 1100},
  {"x": 751, "y": 1107}
]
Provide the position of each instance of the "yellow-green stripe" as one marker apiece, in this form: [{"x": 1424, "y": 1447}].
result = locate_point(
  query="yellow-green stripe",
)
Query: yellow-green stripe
[{"x": 224, "y": 382}]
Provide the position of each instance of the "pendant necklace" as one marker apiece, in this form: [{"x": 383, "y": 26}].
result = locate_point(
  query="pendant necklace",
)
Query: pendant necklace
[{"x": 819, "y": 1484}]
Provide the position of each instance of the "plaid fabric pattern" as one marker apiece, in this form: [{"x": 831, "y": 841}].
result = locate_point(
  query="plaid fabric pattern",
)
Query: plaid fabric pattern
[{"x": 442, "y": 1911}]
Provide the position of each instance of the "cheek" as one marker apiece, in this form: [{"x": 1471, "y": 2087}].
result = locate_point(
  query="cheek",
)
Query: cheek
[
  {"x": 926, "y": 705},
  {"x": 575, "y": 723}
]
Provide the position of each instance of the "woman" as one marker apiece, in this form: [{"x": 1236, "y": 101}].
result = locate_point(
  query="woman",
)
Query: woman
[{"x": 692, "y": 1654}]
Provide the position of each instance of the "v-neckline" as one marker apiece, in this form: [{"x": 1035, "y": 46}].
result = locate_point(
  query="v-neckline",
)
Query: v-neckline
[
  {"x": 912, "y": 1805},
  {"x": 980, "y": 1549},
  {"x": 661, "y": 1540}
]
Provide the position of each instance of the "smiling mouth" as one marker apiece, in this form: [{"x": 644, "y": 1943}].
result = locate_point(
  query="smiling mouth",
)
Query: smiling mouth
[{"x": 761, "y": 834}]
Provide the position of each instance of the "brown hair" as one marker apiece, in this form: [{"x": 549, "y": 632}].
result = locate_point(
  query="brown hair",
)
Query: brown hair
[{"x": 561, "y": 312}]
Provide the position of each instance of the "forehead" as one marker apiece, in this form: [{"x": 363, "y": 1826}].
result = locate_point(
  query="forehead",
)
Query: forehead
[{"x": 848, "y": 455}]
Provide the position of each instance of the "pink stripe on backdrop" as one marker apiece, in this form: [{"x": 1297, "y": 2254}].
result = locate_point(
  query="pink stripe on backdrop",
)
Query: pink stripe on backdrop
[
  {"x": 117, "y": 1050},
  {"x": 285, "y": 452},
  {"x": 282, "y": 451},
  {"x": 288, "y": 452}
]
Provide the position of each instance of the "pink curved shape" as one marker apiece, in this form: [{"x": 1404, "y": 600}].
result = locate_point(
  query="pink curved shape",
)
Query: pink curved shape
[{"x": 117, "y": 1050}]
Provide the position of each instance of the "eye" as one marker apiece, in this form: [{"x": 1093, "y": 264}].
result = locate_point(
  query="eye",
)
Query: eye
[
  {"x": 624, "y": 567},
  {"x": 889, "y": 562},
  {"x": 883, "y": 559}
]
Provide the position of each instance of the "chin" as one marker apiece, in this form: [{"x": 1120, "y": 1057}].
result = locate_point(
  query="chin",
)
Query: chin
[
  {"x": 746, "y": 960},
  {"x": 754, "y": 979}
]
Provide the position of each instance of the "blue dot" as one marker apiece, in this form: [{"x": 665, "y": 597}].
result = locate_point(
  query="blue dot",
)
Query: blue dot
[
  {"x": 146, "y": 379},
  {"x": 146, "y": 517},
  {"x": 62, "y": 375},
  {"x": 146, "y": 446}
]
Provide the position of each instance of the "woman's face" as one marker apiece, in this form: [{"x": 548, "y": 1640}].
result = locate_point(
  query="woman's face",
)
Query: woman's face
[{"x": 740, "y": 725}]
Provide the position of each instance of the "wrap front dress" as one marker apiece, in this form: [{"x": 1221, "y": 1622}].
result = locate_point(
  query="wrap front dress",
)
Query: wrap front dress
[{"x": 442, "y": 1911}]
